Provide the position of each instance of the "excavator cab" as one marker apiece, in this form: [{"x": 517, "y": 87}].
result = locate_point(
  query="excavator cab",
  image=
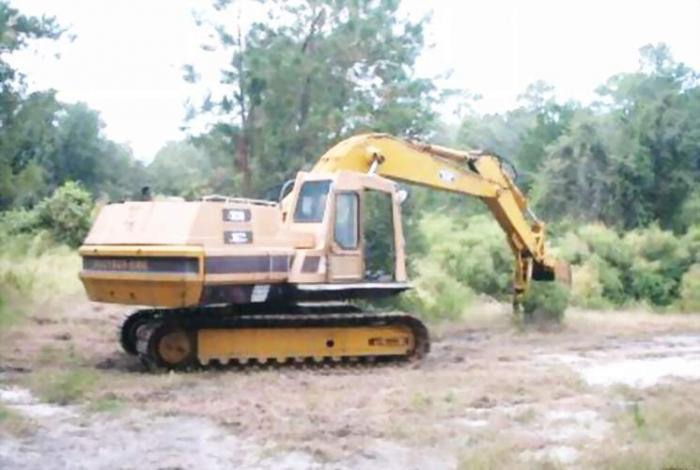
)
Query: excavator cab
[{"x": 355, "y": 220}]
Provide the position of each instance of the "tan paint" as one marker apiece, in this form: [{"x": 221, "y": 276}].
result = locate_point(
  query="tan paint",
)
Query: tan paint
[{"x": 196, "y": 229}]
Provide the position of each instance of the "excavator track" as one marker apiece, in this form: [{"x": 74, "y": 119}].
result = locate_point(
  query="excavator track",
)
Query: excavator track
[{"x": 184, "y": 339}]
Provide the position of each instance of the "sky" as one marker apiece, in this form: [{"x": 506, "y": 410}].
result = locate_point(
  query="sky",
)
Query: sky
[{"x": 124, "y": 58}]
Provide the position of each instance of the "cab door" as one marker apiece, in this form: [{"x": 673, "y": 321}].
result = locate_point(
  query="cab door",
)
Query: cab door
[{"x": 346, "y": 257}]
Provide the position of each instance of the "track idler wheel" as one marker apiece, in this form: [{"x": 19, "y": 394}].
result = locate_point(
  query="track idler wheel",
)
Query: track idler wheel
[
  {"x": 128, "y": 329},
  {"x": 165, "y": 345}
]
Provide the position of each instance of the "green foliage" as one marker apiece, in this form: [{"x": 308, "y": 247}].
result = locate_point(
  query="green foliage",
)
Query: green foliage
[
  {"x": 690, "y": 290},
  {"x": 546, "y": 302},
  {"x": 436, "y": 294},
  {"x": 43, "y": 142},
  {"x": 310, "y": 75},
  {"x": 472, "y": 250},
  {"x": 64, "y": 388},
  {"x": 459, "y": 257},
  {"x": 180, "y": 169},
  {"x": 33, "y": 272},
  {"x": 635, "y": 162},
  {"x": 67, "y": 214},
  {"x": 587, "y": 288},
  {"x": 645, "y": 265},
  {"x": 378, "y": 233},
  {"x": 689, "y": 213}
]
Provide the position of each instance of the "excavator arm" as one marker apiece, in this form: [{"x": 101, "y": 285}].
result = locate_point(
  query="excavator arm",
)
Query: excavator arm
[{"x": 470, "y": 173}]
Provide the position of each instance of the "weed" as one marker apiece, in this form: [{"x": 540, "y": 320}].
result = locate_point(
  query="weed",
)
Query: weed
[
  {"x": 421, "y": 401},
  {"x": 492, "y": 455},
  {"x": 106, "y": 404},
  {"x": 664, "y": 434},
  {"x": 64, "y": 387},
  {"x": 33, "y": 276},
  {"x": 638, "y": 416},
  {"x": 13, "y": 423}
]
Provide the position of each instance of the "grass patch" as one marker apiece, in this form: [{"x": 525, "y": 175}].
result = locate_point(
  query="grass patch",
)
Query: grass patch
[
  {"x": 107, "y": 404},
  {"x": 659, "y": 431},
  {"x": 64, "y": 388},
  {"x": 492, "y": 455},
  {"x": 13, "y": 423},
  {"x": 421, "y": 401},
  {"x": 34, "y": 273}
]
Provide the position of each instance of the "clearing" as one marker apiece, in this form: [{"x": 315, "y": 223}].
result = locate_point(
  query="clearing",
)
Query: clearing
[{"x": 610, "y": 389}]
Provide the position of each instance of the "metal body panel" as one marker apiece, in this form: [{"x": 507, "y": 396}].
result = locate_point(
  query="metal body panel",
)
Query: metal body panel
[{"x": 178, "y": 254}]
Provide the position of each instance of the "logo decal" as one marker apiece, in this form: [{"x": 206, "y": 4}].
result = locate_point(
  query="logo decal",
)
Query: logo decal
[
  {"x": 447, "y": 175},
  {"x": 236, "y": 215},
  {"x": 238, "y": 237}
]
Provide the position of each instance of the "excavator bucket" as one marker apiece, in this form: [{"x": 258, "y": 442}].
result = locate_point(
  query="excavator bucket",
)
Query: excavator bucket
[{"x": 552, "y": 270}]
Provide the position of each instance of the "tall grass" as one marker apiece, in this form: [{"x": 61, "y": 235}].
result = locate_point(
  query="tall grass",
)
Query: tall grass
[{"x": 35, "y": 274}]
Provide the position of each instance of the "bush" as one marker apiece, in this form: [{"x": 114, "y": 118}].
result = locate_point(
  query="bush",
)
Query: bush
[
  {"x": 546, "y": 302},
  {"x": 606, "y": 243},
  {"x": 660, "y": 259},
  {"x": 67, "y": 214},
  {"x": 473, "y": 251},
  {"x": 691, "y": 242},
  {"x": 573, "y": 249},
  {"x": 646, "y": 265},
  {"x": 436, "y": 294},
  {"x": 690, "y": 290},
  {"x": 586, "y": 288}
]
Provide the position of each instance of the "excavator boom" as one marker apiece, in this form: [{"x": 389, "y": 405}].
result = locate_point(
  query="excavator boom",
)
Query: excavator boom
[{"x": 476, "y": 174}]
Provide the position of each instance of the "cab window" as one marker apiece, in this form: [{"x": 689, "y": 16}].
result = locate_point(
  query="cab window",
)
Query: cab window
[
  {"x": 346, "y": 231},
  {"x": 312, "y": 201}
]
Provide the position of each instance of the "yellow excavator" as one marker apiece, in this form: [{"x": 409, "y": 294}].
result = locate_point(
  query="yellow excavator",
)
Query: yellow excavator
[{"x": 232, "y": 280}]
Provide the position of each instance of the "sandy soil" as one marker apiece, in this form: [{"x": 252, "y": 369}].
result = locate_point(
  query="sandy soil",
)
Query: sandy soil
[{"x": 487, "y": 392}]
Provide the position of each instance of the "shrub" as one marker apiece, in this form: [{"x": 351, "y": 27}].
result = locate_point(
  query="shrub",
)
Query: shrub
[
  {"x": 67, "y": 214},
  {"x": 645, "y": 265},
  {"x": 691, "y": 242},
  {"x": 472, "y": 250},
  {"x": 573, "y": 249},
  {"x": 690, "y": 290},
  {"x": 606, "y": 243},
  {"x": 648, "y": 282},
  {"x": 18, "y": 221},
  {"x": 611, "y": 279},
  {"x": 436, "y": 294},
  {"x": 586, "y": 288},
  {"x": 546, "y": 302}
]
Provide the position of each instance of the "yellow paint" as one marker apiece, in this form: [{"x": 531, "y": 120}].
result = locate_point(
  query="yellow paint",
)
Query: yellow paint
[
  {"x": 165, "y": 293},
  {"x": 285, "y": 343},
  {"x": 139, "y": 288},
  {"x": 468, "y": 173},
  {"x": 141, "y": 250}
]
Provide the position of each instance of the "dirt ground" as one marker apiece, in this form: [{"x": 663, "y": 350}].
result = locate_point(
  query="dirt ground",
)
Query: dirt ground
[{"x": 619, "y": 390}]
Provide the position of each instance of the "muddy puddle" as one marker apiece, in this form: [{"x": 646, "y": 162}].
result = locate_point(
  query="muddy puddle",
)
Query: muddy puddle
[{"x": 639, "y": 364}]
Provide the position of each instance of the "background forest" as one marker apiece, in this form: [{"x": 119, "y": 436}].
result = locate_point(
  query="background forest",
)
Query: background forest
[{"x": 617, "y": 179}]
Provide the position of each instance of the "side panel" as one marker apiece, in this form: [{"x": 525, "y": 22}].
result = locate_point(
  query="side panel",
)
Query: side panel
[{"x": 169, "y": 276}]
